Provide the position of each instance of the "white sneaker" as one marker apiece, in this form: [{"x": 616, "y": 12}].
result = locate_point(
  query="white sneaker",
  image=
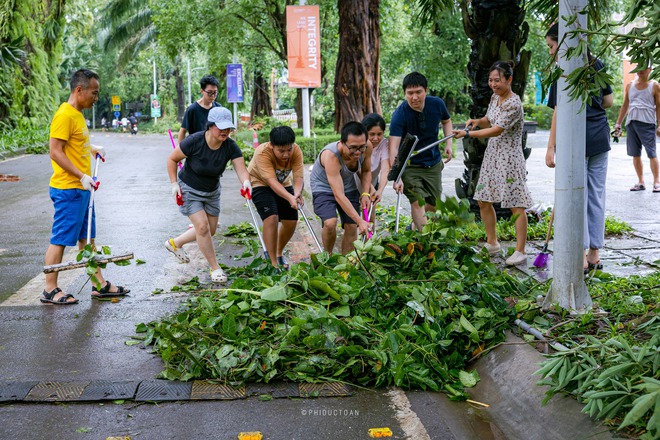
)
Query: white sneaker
[
  {"x": 179, "y": 253},
  {"x": 218, "y": 276},
  {"x": 516, "y": 259},
  {"x": 492, "y": 248}
]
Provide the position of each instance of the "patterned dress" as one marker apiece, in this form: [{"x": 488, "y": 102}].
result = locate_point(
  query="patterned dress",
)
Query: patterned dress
[{"x": 503, "y": 175}]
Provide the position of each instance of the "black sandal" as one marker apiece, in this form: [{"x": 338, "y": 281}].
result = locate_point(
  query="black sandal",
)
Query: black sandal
[
  {"x": 105, "y": 291},
  {"x": 282, "y": 262},
  {"x": 61, "y": 301},
  {"x": 593, "y": 266}
]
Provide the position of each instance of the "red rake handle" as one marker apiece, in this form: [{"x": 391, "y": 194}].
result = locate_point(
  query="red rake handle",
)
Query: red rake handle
[
  {"x": 173, "y": 144},
  {"x": 365, "y": 213}
]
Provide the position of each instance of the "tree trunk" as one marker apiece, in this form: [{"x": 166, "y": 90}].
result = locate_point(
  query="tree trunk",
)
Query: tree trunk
[
  {"x": 357, "y": 78},
  {"x": 260, "y": 97},
  {"x": 498, "y": 32}
]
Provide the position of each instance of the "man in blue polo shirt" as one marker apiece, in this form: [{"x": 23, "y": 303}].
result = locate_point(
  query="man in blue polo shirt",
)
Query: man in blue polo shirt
[{"x": 421, "y": 115}]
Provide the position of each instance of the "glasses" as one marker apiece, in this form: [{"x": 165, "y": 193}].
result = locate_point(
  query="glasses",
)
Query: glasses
[
  {"x": 211, "y": 92},
  {"x": 354, "y": 148}
]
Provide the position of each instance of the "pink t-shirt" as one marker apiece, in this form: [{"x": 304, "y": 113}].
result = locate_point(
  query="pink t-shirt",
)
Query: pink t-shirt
[{"x": 380, "y": 153}]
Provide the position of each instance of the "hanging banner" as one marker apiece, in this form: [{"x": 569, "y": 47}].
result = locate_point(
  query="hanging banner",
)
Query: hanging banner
[
  {"x": 303, "y": 36},
  {"x": 155, "y": 106},
  {"x": 234, "y": 83}
]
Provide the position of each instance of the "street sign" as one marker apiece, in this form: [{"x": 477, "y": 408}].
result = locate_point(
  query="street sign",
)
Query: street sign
[
  {"x": 155, "y": 106},
  {"x": 116, "y": 103},
  {"x": 234, "y": 83},
  {"x": 117, "y": 114}
]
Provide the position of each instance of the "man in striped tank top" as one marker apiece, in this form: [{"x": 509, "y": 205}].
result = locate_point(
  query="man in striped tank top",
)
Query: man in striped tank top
[{"x": 642, "y": 105}]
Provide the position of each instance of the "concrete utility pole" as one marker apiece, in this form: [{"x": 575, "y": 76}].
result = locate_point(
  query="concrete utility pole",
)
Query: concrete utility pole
[{"x": 568, "y": 289}]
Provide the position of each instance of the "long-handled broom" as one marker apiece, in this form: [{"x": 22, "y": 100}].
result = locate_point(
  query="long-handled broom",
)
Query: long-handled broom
[
  {"x": 98, "y": 259},
  {"x": 542, "y": 258}
]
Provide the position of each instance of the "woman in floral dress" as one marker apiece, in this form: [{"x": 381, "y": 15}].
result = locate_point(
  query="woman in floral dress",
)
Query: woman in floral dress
[{"x": 503, "y": 175}]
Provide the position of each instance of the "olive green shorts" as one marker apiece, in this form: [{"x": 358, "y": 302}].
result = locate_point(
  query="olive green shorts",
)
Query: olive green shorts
[{"x": 423, "y": 183}]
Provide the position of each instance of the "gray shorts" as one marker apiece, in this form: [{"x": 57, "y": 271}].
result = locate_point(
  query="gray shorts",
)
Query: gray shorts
[
  {"x": 195, "y": 201},
  {"x": 326, "y": 206},
  {"x": 423, "y": 183},
  {"x": 638, "y": 134}
]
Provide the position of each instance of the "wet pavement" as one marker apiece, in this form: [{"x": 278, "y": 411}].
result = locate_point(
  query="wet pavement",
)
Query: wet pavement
[{"x": 86, "y": 343}]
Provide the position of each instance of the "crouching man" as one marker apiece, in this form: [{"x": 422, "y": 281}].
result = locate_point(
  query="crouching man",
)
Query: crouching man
[{"x": 334, "y": 189}]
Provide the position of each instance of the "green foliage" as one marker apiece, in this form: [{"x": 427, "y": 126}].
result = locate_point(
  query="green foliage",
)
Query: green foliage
[
  {"x": 33, "y": 140},
  {"x": 541, "y": 113},
  {"x": 240, "y": 230},
  {"x": 613, "y": 359},
  {"x": 409, "y": 311}
]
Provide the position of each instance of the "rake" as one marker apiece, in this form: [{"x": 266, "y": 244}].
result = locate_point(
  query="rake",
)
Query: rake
[
  {"x": 98, "y": 259},
  {"x": 309, "y": 226},
  {"x": 407, "y": 147},
  {"x": 246, "y": 193}
]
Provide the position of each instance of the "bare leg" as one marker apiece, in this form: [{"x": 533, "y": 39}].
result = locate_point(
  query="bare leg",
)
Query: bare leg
[
  {"x": 350, "y": 235},
  {"x": 270, "y": 237},
  {"x": 489, "y": 218},
  {"x": 639, "y": 169},
  {"x": 654, "y": 170},
  {"x": 284, "y": 235},
  {"x": 329, "y": 234},
  {"x": 418, "y": 216},
  {"x": 187, "y": 237},
  {"x": 521, "y": 228},
  {"x": 204, "y": 227},
  {"x": 54, "y": 255}
]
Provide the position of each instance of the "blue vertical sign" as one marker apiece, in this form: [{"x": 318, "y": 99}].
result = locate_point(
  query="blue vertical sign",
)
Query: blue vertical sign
[
  {"x": 234, "y": 83},
  {"x": 539, "y": 91}
]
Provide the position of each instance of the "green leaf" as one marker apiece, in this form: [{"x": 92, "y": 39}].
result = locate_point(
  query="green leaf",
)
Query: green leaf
[
  {"x": 275, "y": 293},
  {"x": 229, "y": 325},
  {"x": 640, "y": 406},
  {"x": 468, "y": 379}
]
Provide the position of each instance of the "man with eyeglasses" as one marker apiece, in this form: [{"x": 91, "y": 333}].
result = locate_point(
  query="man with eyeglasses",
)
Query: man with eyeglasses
[
  {"x": 197, "y": 113},
  {"x": 420, "y": 115},
  {"x": 334, "y": 189}
]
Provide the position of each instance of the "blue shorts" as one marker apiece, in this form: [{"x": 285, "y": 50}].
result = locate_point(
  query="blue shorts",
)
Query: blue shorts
[{"x": 70, "y": 217}]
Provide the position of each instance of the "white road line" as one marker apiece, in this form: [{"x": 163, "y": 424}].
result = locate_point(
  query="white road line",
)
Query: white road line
[{"x": 408, "y": 420}]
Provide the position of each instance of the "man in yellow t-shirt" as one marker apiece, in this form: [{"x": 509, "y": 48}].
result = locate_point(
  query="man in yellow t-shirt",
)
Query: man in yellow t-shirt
[
  {"x": 71, "y": 184},
  {"x": 276, "y": 176}
]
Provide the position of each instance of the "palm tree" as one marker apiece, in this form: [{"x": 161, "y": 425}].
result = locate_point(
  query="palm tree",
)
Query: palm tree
[{"x": 128, "y": 27}]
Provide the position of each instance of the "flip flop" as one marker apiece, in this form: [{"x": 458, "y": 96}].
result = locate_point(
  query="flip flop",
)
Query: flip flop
[
  {"x": 656, "y": 188},
  {"x": 62, "y": 301},
  {"x": 638, "y": 187},
  {"x": 105, "y": 291}
]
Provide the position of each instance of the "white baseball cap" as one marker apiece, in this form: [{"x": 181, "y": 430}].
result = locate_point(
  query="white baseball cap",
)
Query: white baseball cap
[{"x": 221, "y": 117}]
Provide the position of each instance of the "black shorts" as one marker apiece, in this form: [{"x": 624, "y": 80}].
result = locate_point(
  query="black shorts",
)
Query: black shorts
[
  {"x": 268, "y": 203},
  {"x": 326, "y": 206}
]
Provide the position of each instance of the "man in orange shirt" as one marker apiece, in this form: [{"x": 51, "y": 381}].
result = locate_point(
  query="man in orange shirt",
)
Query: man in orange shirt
[
  {"x": 276, "y": 176},
  {"x": 71, "y": 184}
]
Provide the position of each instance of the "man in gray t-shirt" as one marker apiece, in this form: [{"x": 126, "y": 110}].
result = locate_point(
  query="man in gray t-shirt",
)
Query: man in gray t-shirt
[{"x": 334, "y": 189}]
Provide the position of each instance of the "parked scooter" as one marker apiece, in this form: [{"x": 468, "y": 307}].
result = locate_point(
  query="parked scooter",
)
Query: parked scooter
[{"x": 134, "y": 128}]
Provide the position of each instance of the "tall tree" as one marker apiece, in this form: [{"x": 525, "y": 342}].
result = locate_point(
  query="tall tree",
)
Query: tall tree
[
  {"x": 357, "y": 76},
  {"x": 498, "y": 31}
]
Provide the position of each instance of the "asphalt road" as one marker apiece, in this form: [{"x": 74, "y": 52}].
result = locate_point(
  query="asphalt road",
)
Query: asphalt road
[{"x": 87, "y": 341}]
